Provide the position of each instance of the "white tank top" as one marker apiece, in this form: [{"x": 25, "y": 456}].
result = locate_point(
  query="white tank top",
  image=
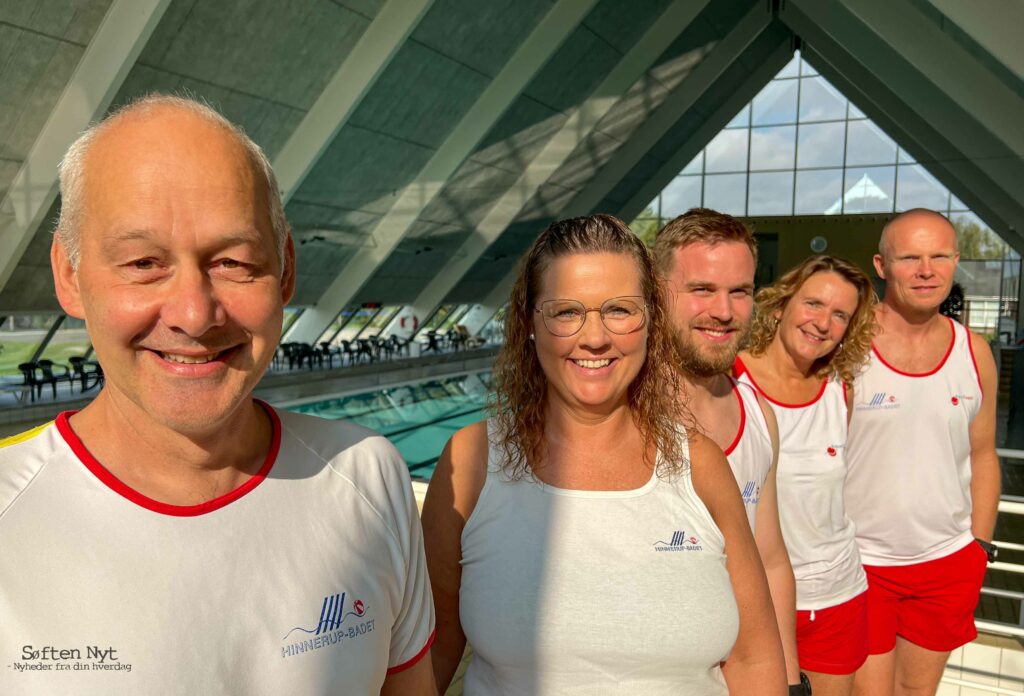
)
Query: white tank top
[
  {"x": 909, "y": 486},
  {"x": 819, "y": 536},
  {"x": 594, "y": 592},
  {"x": 750, "y": 454}
]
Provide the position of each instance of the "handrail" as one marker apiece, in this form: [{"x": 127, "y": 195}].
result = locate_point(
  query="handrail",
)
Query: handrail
[
  {"x": 998, "y": 592},
  {"x": 1001, "y": 629},
  {"x": 1006, "y": 567},
  {"x": 1011, "y": 504},
  {"x": 1007, "y": 453}
]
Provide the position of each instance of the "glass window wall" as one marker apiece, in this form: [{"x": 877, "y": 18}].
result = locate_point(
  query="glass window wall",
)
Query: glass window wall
[{"x": 21, "y": 336}]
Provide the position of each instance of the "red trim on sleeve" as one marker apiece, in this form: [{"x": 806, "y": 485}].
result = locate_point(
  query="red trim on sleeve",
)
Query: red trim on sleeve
[
  {"x": 119, "y": 487},
  {"x": 952, "y": 342},
  {"x": 974, "y": 363},
  {"x": 416, "y": 658},
  {"x": 743, "y": 420}
]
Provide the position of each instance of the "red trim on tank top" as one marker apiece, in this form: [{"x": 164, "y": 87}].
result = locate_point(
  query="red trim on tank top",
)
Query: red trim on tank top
[
  {"x": 122, "y": 489},
  {"x": 974, "y": 363},
  {"x": 415, "y": 658},
  {"x": 744, "y": 369},
  {"x": 952, "y": 342},
  {"x": 743, "y": 420}
]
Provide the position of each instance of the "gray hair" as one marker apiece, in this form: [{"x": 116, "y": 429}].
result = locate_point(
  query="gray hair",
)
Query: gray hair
[{"x": 72, "y": 169}]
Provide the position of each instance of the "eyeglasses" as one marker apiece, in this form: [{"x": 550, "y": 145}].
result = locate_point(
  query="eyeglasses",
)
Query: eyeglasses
[{"x": 620, "y": 315}]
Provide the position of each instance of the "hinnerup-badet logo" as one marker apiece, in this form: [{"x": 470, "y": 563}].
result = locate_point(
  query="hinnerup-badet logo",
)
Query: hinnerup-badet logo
[
  {"x": 679, "y": 542},
  {"x": 751, "y": 493},
  {"x": 329, "y": 630},
  {"x": 879, "y": 400}
]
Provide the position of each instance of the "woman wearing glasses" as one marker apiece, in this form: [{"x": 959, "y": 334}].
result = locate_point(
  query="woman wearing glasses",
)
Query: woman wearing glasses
[
  {"x": 577, "y": 538},
  {"x": 811, "y": 335}
]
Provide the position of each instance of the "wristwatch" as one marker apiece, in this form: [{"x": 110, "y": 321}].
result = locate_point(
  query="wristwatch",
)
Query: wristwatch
[
  {"x": 991, "y": 549},
  {"x": 801, "y": 689}
]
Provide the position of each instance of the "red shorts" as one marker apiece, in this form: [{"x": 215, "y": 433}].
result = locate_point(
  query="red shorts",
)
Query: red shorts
[
  {"x": 835, "y": 640},
  {"x": 931, "y": 604}
]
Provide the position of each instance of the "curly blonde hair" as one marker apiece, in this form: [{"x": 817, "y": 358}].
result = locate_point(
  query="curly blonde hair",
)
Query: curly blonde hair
[
  {"x": 850, "y": 356},
  {"x": 519, "y": 403}
]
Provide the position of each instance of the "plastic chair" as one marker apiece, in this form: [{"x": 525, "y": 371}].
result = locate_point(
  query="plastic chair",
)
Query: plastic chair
[
  {"x": 30, "y": 378},
  {"x": 47, "y": 368},
  {"x": 84, "y": 369}
]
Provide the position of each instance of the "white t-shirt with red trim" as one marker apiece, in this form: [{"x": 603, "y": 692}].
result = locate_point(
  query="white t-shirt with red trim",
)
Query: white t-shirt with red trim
[
  {"x": 750, "y": 454},
  {"x": 308, "y": 579},
  {"x": 909, "y": 486}
]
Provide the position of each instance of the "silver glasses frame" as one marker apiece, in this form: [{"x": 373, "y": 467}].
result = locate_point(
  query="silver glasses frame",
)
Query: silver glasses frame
[{"x": 636, "y": 299}]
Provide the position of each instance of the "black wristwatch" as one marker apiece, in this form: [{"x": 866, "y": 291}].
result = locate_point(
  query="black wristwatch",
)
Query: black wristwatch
[
  {"x": 991, "y": 549},
  {"x": 801, "y": 689}
]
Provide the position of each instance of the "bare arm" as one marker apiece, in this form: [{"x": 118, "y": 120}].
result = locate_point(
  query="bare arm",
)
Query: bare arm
[
  {"x": 775, "y": 557},
  {"x": 418, "y": 680},
  {"x": 985, "y": 476},
  {"x": 756, "y": 664},
  {"x": 451, "y": 497}
]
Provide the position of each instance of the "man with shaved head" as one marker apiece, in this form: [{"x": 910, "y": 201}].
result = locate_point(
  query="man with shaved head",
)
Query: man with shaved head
[
  {"x": 177, "y": 535},
  {"x": 923, "y": 481}
]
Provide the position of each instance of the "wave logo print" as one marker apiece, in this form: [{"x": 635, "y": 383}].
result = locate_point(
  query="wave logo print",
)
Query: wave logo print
[
  {"x": 679, "y": 542},
  {"x": 332, "y": 615},
  {"x": 879, "y": 400},
  {"x": 751, "y": 493}
]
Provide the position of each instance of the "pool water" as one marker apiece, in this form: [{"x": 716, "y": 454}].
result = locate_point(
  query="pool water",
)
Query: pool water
[{"x": 418, "y": 418}]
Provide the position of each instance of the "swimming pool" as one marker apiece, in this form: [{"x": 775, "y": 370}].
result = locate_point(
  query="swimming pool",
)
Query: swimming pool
[{"x": 417, "y": 417}]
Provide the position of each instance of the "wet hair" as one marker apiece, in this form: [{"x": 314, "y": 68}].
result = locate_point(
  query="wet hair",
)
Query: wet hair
[
  {"x": 520, "y": 401},
  {"x": 850, "y": 356},
  {"x": 699, "y": 225},
  {"x": 72, "y": 169}
]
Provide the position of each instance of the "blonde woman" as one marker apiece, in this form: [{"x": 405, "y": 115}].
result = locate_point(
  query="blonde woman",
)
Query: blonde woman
[{"x": 812, "y": 333}]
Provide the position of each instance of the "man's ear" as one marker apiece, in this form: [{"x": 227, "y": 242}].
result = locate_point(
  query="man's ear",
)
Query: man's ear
[
  {"x": 65, "y": 281},
  {"x": 288, "y": 273},
  {"x": 879, "y": 264}
]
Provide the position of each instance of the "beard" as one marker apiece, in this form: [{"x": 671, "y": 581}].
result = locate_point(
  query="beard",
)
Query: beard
[{"x": 702, "y": 360}]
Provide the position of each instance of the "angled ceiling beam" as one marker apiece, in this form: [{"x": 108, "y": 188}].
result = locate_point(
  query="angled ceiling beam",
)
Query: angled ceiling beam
[
  {"x": 767, "y": 67},
  {"x": 922, "y": 119},
  {"x": 111, "y": 53},
  {"x": 682, "y": 98},
  {"x": 531, "y": 55},
  {"x": 913, "y": 133},
  {"x": 960, "y": 76},
  {"x": 343, "y": 93},
  {"x": 577, "y": 128},
  {"x": 994, "y": 24}
]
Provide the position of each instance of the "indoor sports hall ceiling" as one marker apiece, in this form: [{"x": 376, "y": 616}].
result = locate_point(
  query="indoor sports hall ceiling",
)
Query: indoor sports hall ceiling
[{"x": 422, "y": 144}]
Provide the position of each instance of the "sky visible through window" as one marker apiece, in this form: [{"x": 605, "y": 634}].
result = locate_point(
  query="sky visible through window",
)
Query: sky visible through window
[{"x": 802, "y": 148}]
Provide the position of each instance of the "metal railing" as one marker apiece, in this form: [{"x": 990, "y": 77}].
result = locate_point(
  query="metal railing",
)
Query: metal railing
[{"x": 1008, "y": 505}]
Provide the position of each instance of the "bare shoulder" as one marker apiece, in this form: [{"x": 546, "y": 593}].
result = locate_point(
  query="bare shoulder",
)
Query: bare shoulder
[
  {"x": 770, "y": 420},
  {"x": 769, "y": 414},
  {"x": 980, "y": 347},
  {"x": 984, "y": 361},
  {"x": 461, "y": 471},
  {"x": 709, "y": 469}
]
